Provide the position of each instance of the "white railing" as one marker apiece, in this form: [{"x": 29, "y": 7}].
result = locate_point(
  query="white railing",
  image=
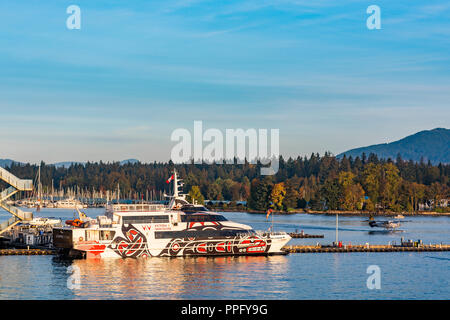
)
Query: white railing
[
  {"x": 270, "y": 234},
  {"x": 5, "y": 194},
  {"x": 4, "y": 226},
  {"x": 138, "y": 207},
  {"x": 23, "y": 215},
  {"x": 16, "y": 185},
  {"x": 20, "y": 184}
]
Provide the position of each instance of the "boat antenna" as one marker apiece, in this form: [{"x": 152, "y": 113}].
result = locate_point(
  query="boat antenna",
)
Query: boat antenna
[
  {"x": 175, "y": 183},
  {"x": 177, "y": 195}
]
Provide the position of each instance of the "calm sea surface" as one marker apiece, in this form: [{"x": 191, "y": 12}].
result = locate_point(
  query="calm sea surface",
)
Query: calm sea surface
[{"x": 414, "y": 275}]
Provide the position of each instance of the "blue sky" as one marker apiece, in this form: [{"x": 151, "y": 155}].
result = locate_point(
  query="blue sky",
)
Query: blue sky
[{"x": 137, "y": 70}]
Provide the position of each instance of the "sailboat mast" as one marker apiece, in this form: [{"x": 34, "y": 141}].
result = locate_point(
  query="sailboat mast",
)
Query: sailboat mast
[
  {"x": 39, "y": 193},
  {"x": 39, "y": 183},
  {"x": 337, "y": 229}
]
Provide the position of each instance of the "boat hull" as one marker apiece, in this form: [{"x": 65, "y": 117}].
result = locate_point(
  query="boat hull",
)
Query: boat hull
[{"x": 134, "y": 244}]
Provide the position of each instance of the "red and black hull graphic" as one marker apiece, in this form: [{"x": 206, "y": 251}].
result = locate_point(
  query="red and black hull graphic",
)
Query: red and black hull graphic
[
  {"x": 133, "y": 245},
  {"x": 215, "y": 247},
  {"x": 238, "y": 242}
]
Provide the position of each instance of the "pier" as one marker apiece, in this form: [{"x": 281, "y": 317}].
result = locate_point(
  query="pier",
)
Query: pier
[
  {"x": 304, "y": 235},
  {"x": 366, "y": 248},
  {"x": 286, "y": 249}
]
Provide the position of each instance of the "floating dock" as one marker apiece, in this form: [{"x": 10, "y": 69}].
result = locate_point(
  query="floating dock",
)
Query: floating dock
[
  {"x": 286, "y": 249},
  {"x": 304, "y": 235},
  {"x": 27, "y": 252},
  {"x": 366, "y": 248}
]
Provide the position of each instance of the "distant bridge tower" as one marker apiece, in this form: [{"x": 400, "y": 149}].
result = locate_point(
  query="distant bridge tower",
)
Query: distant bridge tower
[{"x": 16, "y": 185}]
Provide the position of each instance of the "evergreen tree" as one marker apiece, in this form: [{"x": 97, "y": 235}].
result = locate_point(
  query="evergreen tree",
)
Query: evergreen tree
[
  {"x": 259, "y": 195},
  {"x": 195, "y": 196}
]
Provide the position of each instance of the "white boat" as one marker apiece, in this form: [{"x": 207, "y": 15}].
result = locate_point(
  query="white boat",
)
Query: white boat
[
  {"x": 30, "y": 203},
  {"x": 69, "y": 204},
  {"x": 150, "y": 230},
  {"x": 41, "y": 221}
]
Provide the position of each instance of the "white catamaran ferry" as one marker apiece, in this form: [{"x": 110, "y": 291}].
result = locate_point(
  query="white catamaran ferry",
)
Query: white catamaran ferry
[{"x": 149, "y": 230}]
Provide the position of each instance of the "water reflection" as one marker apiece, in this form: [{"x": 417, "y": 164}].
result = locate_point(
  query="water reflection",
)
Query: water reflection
[
  {"x": 179, "y": 278},
  {"x": 375, "y": 232},
  {"x": 438, "y": 258}
]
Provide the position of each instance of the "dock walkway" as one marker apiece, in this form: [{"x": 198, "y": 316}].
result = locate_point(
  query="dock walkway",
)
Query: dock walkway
[
  {"x": 366, "y": 248},
  {"x": 305, "y": 235}
]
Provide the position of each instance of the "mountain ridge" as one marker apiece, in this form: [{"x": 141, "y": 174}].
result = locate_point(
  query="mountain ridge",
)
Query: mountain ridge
[{"x": 429, "y": 145}]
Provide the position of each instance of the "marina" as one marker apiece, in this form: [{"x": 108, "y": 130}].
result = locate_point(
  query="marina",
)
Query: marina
[
  {"x": 29, "y": 244},
  {"x": 235, "y": 151},
  {"x": 178, "y": 229},
  {"x": 330, "y": 275}
]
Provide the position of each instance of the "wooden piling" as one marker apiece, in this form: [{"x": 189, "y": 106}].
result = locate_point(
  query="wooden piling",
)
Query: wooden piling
[{"x": 15, "y": 252}]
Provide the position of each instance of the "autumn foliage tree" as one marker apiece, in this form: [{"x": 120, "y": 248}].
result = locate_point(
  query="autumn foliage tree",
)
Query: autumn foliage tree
[
  {"x": 352, "y": 195},
  {"x": 277, "y": 196},
  {"x": 315, "y": 182},
  {"x": 195, "y": 196}
]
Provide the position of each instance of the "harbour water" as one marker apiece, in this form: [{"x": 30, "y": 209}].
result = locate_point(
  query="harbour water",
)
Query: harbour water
[{"x": 404, "y": 275}]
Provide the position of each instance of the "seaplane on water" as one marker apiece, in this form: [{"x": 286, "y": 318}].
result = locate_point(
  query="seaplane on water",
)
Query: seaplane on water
[{"x": 387, "y": 224}]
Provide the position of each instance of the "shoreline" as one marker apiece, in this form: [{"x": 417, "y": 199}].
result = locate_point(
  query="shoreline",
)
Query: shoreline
[{"x": 343, "y": 213}]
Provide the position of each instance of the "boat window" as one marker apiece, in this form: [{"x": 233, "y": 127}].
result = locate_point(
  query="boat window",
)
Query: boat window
[
  {"x": 202, "y": 218},
  {"x": 199, "y": 234},
  {"x": 191, "y": 208},
  {"x": 145, "y": 219},
  {"x": 107, "y": 235},
  {"x": 92, "y": 235}
]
